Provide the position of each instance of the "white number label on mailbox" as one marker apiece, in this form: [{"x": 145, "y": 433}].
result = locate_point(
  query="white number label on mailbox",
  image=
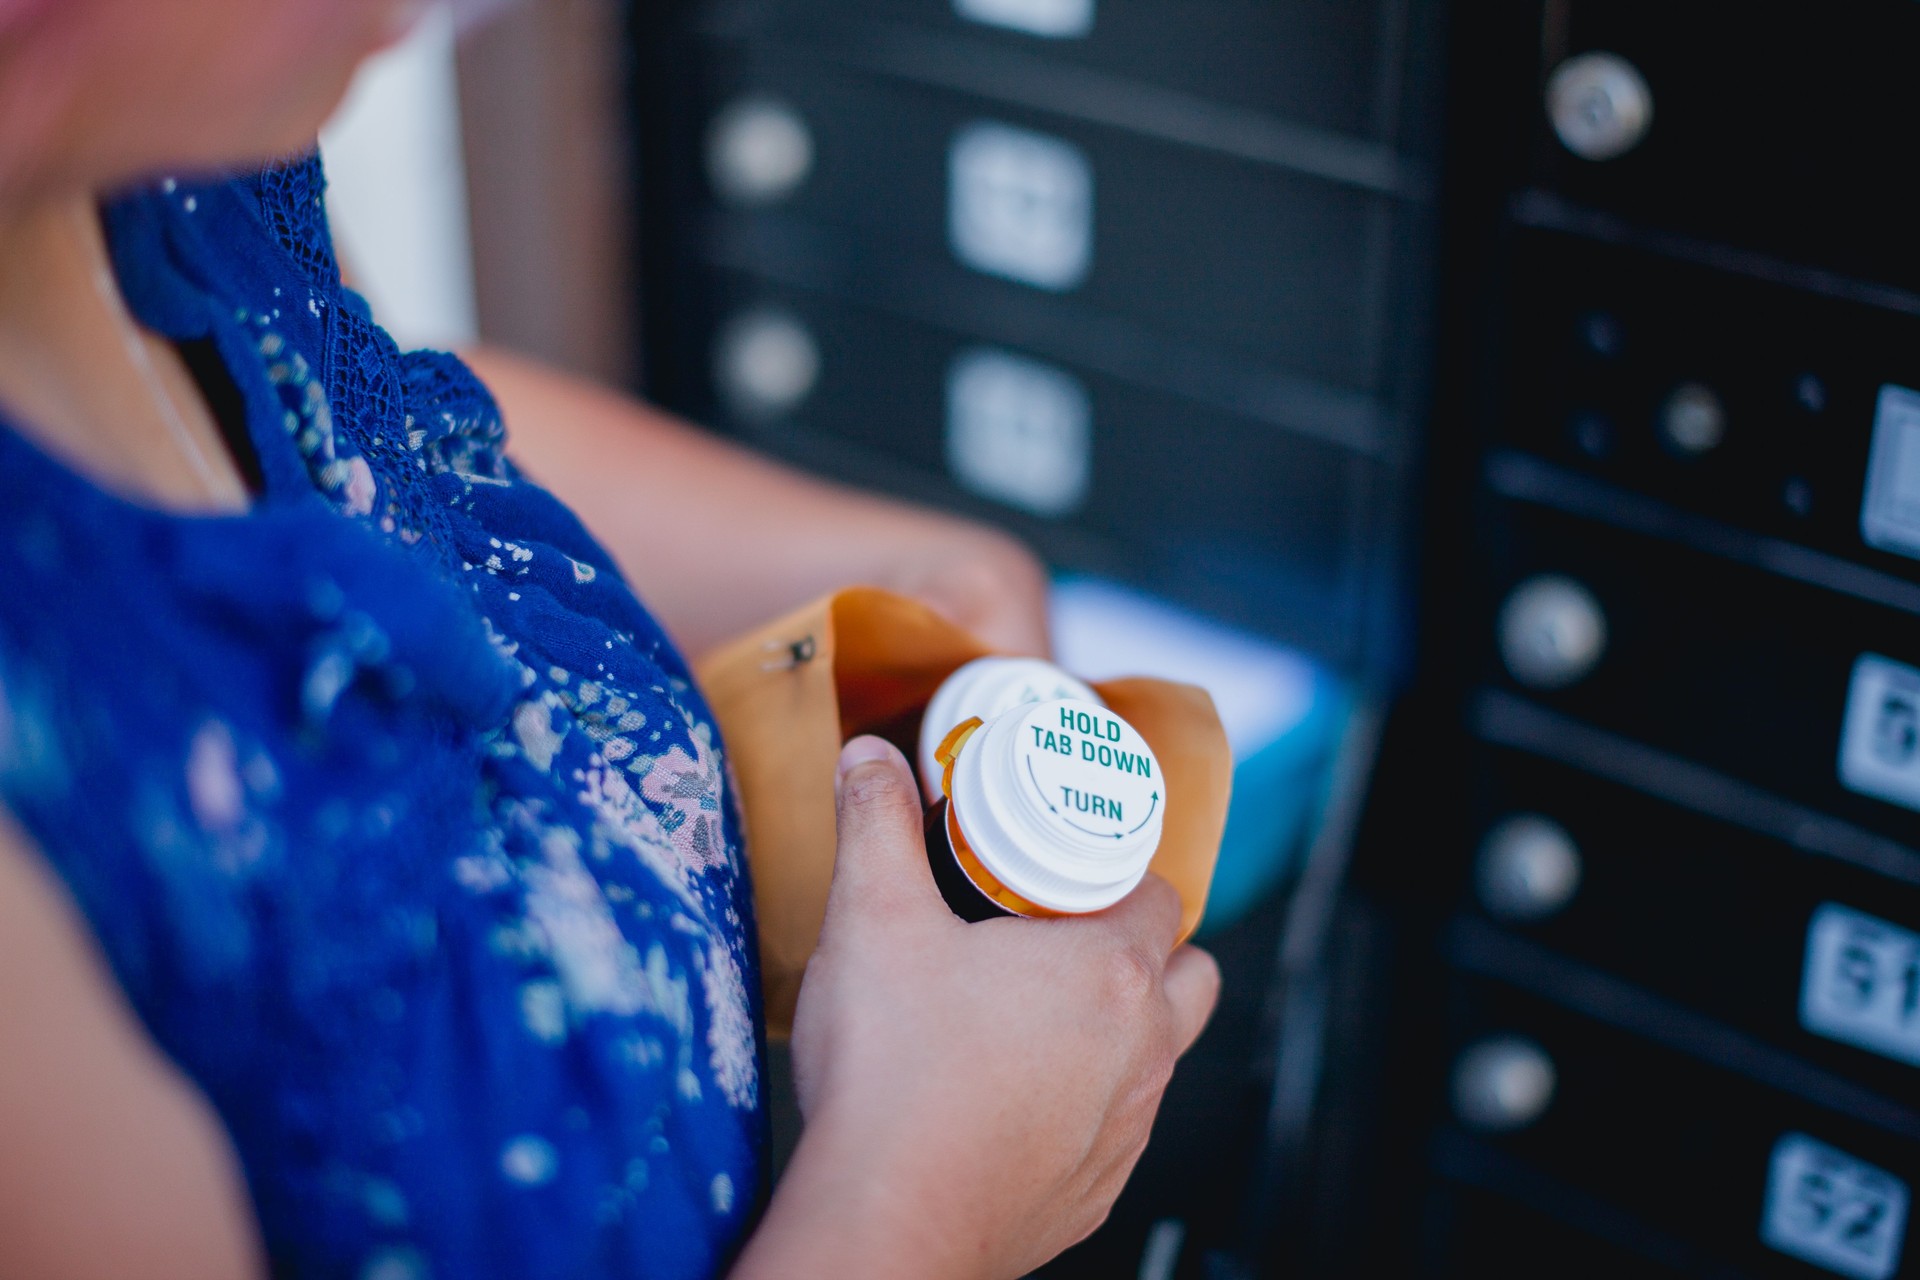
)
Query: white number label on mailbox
[
  {"x": 1058, "y": 19},
  {"x": 1880, "y": 738},
  {"x": 1890, "y": 511},
  {"x": 1825, "y": 1207},
  {"x": 1019, "y": 432},
  {"x": 1861, "y": 984},
  {"x": 1020, "y": 205}
]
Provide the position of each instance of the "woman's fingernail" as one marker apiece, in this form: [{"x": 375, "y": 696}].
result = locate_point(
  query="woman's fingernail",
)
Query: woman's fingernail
[
  {"x": 856, "y": 753},
  {"x": 860, "y": 751}
]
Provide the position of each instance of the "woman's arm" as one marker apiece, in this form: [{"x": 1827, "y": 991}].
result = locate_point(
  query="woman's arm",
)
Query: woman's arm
[
  {"x": 718, "y": 539},
  {"x": 111, "y": 1164}
]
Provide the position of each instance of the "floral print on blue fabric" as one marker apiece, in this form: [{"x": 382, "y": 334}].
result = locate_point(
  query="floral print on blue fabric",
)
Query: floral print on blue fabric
[{"x": 400, "y": 821}]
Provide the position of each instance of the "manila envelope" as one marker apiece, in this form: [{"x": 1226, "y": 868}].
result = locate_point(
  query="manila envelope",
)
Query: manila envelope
[{"x": 788, "y": 695}]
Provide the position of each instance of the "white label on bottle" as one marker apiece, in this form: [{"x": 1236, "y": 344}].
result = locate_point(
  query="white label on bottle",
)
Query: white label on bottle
[
  {"x": 1880, "y": 739},
  {"x": 1019, "y": 432},
  {"x": 1862, "y": 983},
  {"x": 1092, "y": 771},
  {"x": 1890, "y": 511},
  {"x": 1825, "y": 1207},
  {"x": 1060, "y": 19},
  {"x": 1020, "y": 205}
]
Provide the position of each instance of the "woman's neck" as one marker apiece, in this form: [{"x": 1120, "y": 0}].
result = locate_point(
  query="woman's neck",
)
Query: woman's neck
[{"x": 82, "y": 379}]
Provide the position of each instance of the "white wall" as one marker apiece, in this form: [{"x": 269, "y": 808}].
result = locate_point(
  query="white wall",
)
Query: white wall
[{"x": 397, "y": 192}]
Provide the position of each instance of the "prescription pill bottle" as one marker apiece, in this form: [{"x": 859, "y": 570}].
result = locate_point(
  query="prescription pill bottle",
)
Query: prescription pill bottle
[
  {"x": 983, "y": 689},
  {"x": 1048, "y": 809}
]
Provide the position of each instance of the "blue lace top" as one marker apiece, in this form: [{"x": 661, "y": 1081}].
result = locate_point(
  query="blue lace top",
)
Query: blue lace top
[{"x": 397, "y": 817}]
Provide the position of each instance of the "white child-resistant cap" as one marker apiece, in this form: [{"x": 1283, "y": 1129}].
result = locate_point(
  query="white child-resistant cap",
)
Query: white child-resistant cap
[
  {"x": 986, "y": 687},
  {"x": 1062, "y": 802}
]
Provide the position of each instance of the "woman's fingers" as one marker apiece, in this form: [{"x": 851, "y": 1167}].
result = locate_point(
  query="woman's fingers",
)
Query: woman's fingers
[
  {"x": 881, "y": 864},
  {"x": 881, "y": 870},
  {"x": 1193, "y": 988},
  {"x": 1146, "y": 920}
]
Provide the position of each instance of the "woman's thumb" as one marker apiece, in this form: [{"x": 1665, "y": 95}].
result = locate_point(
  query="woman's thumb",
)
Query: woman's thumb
[{"x": 881, "y": 863}]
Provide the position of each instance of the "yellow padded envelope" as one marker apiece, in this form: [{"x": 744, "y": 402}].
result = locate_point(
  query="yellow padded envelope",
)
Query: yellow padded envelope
[{"x": 789, "y": 694}]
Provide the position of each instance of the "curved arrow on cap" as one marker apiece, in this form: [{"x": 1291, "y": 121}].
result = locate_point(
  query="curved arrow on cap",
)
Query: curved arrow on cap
[
  {"x": 1149, "y": 818},
  {"x": 1098, "y": 835}
]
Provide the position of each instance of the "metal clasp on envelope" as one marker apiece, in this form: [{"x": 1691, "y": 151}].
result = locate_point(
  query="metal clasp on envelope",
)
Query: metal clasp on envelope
[{"x": 793, "y": 653}]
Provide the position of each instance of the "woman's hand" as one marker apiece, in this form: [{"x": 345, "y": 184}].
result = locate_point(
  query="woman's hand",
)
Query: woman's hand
[
  {"x": 975, "y": 1095},
  {"x": 977, "y": 578}
]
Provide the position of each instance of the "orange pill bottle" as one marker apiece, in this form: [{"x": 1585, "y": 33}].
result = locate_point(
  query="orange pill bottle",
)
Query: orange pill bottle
[{"x": 1045, "y": 809}]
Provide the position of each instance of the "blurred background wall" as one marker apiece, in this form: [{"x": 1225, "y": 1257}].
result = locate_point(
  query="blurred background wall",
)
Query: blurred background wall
[
  {"x": 483, "y": 186},
  {"x": 545, "y": 100},
  {"x": 398, "y": 195}
]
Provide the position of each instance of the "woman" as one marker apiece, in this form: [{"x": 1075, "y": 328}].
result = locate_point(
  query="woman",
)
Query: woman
[{"x": 371, "y": 903}]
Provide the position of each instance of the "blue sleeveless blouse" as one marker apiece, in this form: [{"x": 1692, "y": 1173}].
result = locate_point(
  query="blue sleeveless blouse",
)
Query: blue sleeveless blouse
[{"x": 398, "y": 819}]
